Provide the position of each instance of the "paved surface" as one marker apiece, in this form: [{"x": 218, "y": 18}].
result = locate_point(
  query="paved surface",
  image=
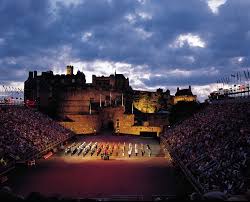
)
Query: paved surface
[{"x": 90, "y": 176}]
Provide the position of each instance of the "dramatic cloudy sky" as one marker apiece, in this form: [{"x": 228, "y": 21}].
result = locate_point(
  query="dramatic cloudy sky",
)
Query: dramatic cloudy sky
[{"x": 156, "y": 43}]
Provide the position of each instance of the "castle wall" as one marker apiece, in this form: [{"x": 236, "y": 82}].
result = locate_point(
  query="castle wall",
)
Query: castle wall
[
  {"x": 108, "y": 115},
  {"x": 123, "y": 123},
  {"x": 83, "y": 124},
  {"x": 136, "y": 130},
  {"x": 78, "y": 101}
]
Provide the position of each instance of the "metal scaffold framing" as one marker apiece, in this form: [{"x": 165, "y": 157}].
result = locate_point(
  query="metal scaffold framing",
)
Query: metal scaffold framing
[
  {"x": 11, "y": 95},
  {"x": 237, "y": 84}
]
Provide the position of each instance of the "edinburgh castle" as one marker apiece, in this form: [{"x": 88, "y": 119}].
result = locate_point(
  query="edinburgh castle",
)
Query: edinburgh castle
[{"x": 106, "y": 103}]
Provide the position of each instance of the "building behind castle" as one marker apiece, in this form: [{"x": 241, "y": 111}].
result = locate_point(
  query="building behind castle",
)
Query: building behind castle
[{"x": 184, "y": 95}]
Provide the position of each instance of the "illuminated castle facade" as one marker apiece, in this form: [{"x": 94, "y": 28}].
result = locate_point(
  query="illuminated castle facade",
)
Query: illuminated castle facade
[
  {"x": 107, "y": 102},
  {"x": 184, "y": 95}
]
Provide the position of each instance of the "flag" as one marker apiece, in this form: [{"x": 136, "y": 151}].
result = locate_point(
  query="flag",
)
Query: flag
[
  {"x": 232, "y": 75},
  {"x": 226, "y": 80}
]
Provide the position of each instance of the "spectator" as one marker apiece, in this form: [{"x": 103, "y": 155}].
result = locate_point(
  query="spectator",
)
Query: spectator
[
  {"x": 25, "y": 132},
  {"x": 214, "y": 146}
]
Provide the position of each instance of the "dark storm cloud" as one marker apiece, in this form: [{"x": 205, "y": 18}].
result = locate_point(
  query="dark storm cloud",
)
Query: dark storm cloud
[
  {"x": 176, "y": 80},
  {"x": 36, "y": 35}
]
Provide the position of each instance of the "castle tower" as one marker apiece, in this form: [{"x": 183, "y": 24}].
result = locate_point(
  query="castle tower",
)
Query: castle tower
[
  {"x": 69, "y": 70},
  {"x": 31, "y": 75}
]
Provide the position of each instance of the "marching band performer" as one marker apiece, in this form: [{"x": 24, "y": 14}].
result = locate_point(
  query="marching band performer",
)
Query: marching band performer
[
  {"x": 123, "y": 149},
  {"x": 136, "y": 149},
  {"x": 117, "y": 149},
  {"x": 129, "y": 152},
  {"x": 142, "y": 149}
]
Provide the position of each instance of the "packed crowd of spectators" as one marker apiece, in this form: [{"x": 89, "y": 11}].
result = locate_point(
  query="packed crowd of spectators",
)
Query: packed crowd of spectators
[
  {"x": 25, "y": 132},
  {"x": 214, "y": 146}
]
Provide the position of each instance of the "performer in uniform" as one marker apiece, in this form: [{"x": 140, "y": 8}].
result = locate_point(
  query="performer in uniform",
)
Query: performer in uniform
[
  {"x": 136, "y": 149},
  {"x": 149, "y": 152},
  {"x": 123, "y": 149},
  {"x": 142, "y": 149},
  {"x": 117, "y": 149},
  {"x": 129, "y": 152}
]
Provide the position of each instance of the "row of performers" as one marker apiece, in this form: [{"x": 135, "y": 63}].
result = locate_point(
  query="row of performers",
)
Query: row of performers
[{"x": 107, "y": 149}]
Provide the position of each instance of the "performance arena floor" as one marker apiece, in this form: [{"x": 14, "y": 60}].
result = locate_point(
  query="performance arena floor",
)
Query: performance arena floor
[{"x": 91, "y": 177}]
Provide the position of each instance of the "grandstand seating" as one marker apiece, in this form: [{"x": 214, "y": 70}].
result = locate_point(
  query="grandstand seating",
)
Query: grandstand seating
[
  {"x": 213, "y": 145},
  {"x": 26, "y": 132}
]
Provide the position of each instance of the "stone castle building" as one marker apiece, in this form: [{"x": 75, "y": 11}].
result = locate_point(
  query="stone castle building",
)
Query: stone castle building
[
  {"x": 107, "y": 102},
  {"x": 184, "y": 95}
]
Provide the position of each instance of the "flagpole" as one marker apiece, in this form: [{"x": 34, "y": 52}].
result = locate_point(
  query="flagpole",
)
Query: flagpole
[
  {"x": 236, "y": 84},
  {"x": 244, "y": 84},
  {"x": 248, "y": 76},
  {"x": 122, "y": 99},
  {"x": 240, "y": 85},
  {"x": 100, "y": 101},
  {"x": 90, "y": 110},
  {"x": 110, "y": 98},
  {"x": 248, "y": 81}
]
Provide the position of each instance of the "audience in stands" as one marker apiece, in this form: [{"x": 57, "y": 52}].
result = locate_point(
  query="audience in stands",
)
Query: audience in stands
[
  {"x": 214, "y": 145},
  {"x": 25, "y": 132}
]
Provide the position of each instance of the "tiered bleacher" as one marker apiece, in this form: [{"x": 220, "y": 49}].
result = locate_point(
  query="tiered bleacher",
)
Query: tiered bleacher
[
  {"x": 213, "y": 147},
  {"x": 25, "y": 132}
]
